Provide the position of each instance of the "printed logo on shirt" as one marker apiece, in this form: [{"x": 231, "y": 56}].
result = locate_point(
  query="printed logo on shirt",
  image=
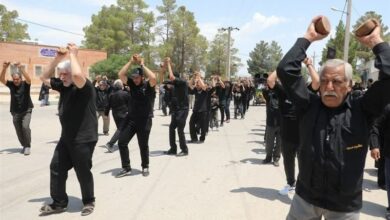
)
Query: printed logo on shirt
[{"x": 357, "y": 146}]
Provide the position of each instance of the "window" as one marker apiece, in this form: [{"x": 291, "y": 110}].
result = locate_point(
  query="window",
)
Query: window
[{"x": 38, "y": 70}]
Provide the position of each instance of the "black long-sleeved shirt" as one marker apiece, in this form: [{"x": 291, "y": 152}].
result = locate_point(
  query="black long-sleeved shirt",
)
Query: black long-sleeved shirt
[
  {"x": 381, "y": 130},
  {"x": 333, "y": 141}
]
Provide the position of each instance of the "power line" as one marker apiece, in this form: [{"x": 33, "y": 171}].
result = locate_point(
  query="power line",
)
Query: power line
[{"x": 49, "y": 27}]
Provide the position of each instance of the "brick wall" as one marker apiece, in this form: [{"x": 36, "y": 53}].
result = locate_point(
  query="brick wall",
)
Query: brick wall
[{"x": 33, "y": 56}]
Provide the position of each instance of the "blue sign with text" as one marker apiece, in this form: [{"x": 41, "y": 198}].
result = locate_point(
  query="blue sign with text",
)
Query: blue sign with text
[{"x": 48, "y": 52}]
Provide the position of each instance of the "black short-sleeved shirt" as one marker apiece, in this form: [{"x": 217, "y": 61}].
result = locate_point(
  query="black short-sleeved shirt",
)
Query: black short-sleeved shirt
[
  {"x": 179, "y": 99},
  {"x": 20, "y": 97},
  {"x": 142, "y": 100},
  {"x": 77, "y": 111},
  {"x": 272, "y": 107},
  {"x": 201, "y": 97},
  {"x": 289, "y": 125}
]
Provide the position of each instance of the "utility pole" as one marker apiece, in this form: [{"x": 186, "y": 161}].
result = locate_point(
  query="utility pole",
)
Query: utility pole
[
  {"x": 347, "y": 34},
  {"x": 229, "y": 29}
]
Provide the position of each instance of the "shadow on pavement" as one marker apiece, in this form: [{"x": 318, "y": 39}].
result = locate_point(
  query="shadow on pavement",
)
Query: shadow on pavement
[
  {"x": 114, "y": 148},
  {"x": 252, "y": 161},
  {"x": 369, "y": 185},
  {"x": 263, "y": 130},
  {"x": 165, "y": 125},
  {"x": 115, "y": 171},
  {"x": 258, "y": 151},
  {"x": 253, "y": 133},
  {"x": 372, "y": 172},
  {"x": 74, "y": 205},
  {"x": 264, "y": 193},
  {"x": 17, "y": 150},
  {"x": 156, "y": 153},
  {"x": 373, "y": 209}
]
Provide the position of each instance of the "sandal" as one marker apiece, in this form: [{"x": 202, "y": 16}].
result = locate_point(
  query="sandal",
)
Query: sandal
[
  {"x": 49, "y": 209},
  {"x": 87, "y": 209}
]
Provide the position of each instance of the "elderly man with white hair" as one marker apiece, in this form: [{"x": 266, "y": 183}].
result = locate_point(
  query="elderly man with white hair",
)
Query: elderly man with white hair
[
  {"x": 333, "y": 130},
  {"x": 77, "y": 113}
]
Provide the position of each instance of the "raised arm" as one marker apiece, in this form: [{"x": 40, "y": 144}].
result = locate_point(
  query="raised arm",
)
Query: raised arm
[
  {"x": 2, "y": 75},
  {"x": 315, "y": 78},
  {"x": 78, "y": 77},
  {"x": 271, "y": 80},
  {"x": 289, "y": 68},
  {"x": 50, "y": 70},
  {"x": 168, "y": 65},
  {"x": 148, "y": 73},
  {"x": 122, "y": 75},
  {"x": 24, "y": 73}
]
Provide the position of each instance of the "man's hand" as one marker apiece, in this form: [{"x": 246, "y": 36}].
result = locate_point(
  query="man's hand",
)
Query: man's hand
[
  {"x": 311, "y": 34},
  {"x": 373, "y": 39},
  {"x": 375, "y": 154},
  {"x": 308, "y": 61},
  {"x": 6, "y": 64},
  {"x": 136, "y": 58},
  {"x": 72, "y": 48}
]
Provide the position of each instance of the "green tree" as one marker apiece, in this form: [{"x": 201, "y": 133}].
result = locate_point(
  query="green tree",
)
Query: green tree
[
  {"x": 122, "y": 29},
  {"x": 9, "y": 28},
  {"x": 264, "y": 58},
  {"x": 111, "y": 66},
  {"x": 167, "y": 14},
  {"x": 217, "y": 55}
]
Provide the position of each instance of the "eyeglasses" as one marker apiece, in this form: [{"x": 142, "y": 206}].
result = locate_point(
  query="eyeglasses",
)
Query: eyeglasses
[{"x": 335, "y": 82}]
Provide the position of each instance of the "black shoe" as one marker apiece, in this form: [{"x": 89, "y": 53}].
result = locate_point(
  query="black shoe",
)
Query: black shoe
[
  {"x": 382, "y": 186},
  {"x": 49, "y": 209},
  {"x": 276, "y": 163},
  {"x": 266, "y": 160},
  {"x": 183, "y": 153},
  {"x": 145, "y": 172},
  {"x": 170, "y": 152},
  {"x": 201, "y": 142},
  {"x": 123, "y": 172}
]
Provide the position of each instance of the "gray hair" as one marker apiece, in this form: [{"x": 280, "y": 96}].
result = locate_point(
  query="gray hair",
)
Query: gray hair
[
  {"x": 64, "y": 66},
  {"x": 16, "y": 74},
  {"x": 118, "y": 84},
  {"x": 338, "y": 62}
]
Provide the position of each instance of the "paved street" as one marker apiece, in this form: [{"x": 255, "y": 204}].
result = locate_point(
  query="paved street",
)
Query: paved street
[{"x": 220, "y": 179}]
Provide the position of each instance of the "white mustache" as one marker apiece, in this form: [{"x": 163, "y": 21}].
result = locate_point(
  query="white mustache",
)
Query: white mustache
[{"x": 330, "y": 93}]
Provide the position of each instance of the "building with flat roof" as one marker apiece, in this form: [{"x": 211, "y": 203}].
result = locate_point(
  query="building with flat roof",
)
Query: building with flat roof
[{"x": 35, "y": 57}]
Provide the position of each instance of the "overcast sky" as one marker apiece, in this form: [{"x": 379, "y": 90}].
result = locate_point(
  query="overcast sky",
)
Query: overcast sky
[{"x": 280, "y": 20}]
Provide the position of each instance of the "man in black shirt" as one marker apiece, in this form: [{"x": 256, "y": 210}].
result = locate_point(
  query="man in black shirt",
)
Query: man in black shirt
[
  {"x": 199, "y": 112},
  {"x": 139, "y": 117},
  {"x": 333, "y": 130},
  {"x": 289, "y": 125},
  {"x": 179, "y": 111},
  {"x": 118, "y": 102},
  {"x": 102, "y": 94},
  {"x": 77, "y": 112},
  {"x": 21, "y": 104},
  {"x": 221, "y": 93}
]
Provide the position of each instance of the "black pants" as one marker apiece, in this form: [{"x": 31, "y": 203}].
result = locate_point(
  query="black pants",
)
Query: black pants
[
  {"x": 272, "y": 143},
  {"x": 118, "y": 122},
  {"x": 289, "y": 152},
  {"x": 222, "y": 110},
  {"x": 200, "y": 119},
  {"x": 381, "y": 171},
  {"x": 68, "y": 155},
  {"x": 22, "y": 126},
  {"x": 178, "y": 120},
  {"x": 227, "y": 109},
  {"x": 142, "y": 128}
]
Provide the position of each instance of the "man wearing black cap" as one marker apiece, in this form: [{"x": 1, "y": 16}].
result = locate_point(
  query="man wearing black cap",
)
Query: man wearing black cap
[
  {"x": 140, "y": 114},
  {"x": 179, "y": 109}
]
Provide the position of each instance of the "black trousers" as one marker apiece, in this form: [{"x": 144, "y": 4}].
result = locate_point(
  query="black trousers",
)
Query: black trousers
[
  {"x": 222, "y": 110},
  {"x": 142, "y": 128},
  {"x": 68, "y": 155},
  {"x": 227, "y": 109},
  {"x": 118, "y": 122},
  {"x": 22, "y": 126},
  {"x": 272, "y": 143},
  {"x": 178, "y": 120},
  {"x": 289, "y": 152},
  {"x": 201, "y": 119},
  {"x": 381, "y": 171}
]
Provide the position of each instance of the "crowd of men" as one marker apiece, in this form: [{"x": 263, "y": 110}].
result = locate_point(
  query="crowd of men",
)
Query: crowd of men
[{"x": 324, "y": 124}]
